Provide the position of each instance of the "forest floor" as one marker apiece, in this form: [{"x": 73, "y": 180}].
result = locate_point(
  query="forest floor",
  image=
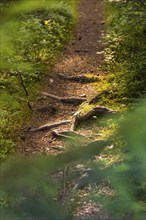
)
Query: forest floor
[{"x": 79, "y": 58}]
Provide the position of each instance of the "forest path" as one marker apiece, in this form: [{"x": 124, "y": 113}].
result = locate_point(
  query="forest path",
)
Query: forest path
[{"x": 79, "y": 58}]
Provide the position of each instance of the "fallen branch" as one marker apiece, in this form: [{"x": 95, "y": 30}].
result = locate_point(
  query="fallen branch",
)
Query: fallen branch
[
  {"x": 79, "y": 78},
  {"x": 71, "y": 100},
  {"x": 47, "y": 127},
  {"x": 25, "y": 90}
]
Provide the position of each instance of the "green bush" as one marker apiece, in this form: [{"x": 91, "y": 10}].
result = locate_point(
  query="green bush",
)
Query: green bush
[
  {"x": 32, "y": 37},
  {"x": 127, "y": 177},
  {"x": 126, "y": 47}
]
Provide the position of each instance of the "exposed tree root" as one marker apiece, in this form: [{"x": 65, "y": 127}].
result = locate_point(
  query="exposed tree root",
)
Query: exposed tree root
[
  {"x": 99, "y": 96},
  {"x": 47, "y": 127},
  {"x": 76, "y": 120},
  {"x": 79, "y": 78},
  {"x": 96, "y": 111},
  {"x": 67, "y": 134},
  {"x": 71, "y": 100},
  {"x": 62, "y": 134}
]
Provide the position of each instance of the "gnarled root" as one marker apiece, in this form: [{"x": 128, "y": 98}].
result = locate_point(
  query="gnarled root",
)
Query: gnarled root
[
  {"x": 96, "y": 111},
  {"x": 79, "y": 78},
  {"x": 47, "y": 127},
  {"x": 70, "y": 100}
]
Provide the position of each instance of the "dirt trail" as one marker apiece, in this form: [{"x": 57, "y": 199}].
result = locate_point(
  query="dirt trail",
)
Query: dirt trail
[{"x": 79, "y": 57}]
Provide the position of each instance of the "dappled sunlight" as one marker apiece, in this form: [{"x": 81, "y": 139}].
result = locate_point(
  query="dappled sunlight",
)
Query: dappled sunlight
[
  {"x": 72, "y": 108},
  {"x": 74, "y": 63}
]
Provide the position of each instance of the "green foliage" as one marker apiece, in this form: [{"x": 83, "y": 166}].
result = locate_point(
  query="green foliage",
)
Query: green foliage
[
  {"x": 126, "y": 48},
  {"x": 11, "y": 118},
  {"x": 127, "y": 177},
  {"x": 118, "y": 181},
  {"x": 36, "y": 36},
  {"x": 32, "y": 37},
  {"x": 29, "y": 190}
]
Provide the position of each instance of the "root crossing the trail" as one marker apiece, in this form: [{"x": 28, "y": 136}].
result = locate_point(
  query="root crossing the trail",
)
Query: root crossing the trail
[
  {"x": 69, "y": 86},
  {"x": 64, "y": 93}
]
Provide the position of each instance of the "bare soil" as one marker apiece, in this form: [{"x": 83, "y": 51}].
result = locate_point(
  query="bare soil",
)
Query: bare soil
[{"x": 79, "y": 57}]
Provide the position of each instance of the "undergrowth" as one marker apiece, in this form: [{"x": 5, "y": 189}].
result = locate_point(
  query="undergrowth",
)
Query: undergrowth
[
  {"x": 31, "y": 42},
  {"x": 125, "y": 52}
]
